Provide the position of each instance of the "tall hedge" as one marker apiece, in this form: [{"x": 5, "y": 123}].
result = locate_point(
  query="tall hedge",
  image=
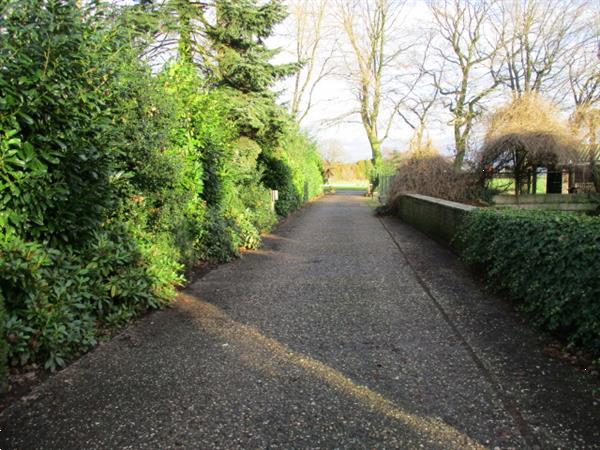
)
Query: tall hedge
[
  {"x": 3, "y": 345},
  {"x": 547, "y": 262},
  {"x": 115, "y": 175}
]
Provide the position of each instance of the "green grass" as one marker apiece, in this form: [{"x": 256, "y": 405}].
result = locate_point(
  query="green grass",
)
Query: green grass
[
  {"x": 349, "y": 185},
  {"x": 508, "y": 184}
]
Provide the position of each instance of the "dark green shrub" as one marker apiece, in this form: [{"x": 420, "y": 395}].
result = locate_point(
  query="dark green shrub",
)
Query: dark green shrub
[
  {"x": 278, "y": 176},
  {"x": 221, "y": 241},
  {"x": 547, "y": 262},
  {"x": 53, "y": 114},
  {"x": 59, "y": 300},
  {"x": 3, "y": 345},
  {"x": 88, "y": 194},
  {"x": 113, "y": 177},
  {"x": 248, "y": 200}
]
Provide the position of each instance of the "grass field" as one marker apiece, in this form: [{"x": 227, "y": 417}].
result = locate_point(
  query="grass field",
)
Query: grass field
[
  {"x": 509, "y": 184},
  {"x": 350, "y": 185}
]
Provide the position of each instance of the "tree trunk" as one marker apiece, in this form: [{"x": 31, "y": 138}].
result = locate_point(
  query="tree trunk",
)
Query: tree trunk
[
  {"x": 461, "y": 148},
  {"x": 375, "y": 150}
]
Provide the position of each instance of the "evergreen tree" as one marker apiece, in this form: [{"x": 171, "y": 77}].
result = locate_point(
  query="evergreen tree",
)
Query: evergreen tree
[{"x": 238, "y": 38}]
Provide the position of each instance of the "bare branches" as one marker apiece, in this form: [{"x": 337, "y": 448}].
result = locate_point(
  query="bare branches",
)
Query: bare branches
[
  {"x": 540, "y": 36},
  {"x": 465, "y": 57},
  {"x": 369, "y": 26},
  {"x": 583, "y": 67},
  {"x": 311, "y": 34}
]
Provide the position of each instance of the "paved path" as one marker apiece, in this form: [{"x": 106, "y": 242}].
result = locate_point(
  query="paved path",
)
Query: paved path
[{"x": 345, "y": 331}]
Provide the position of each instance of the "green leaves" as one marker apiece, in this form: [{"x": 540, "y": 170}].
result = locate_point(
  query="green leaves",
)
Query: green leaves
[
  {"x": 547, "y": 263},
  {"x": 113, "y": 177},
  {"x": 59, "y": 301},
  {"x": 244, "y": 60},
  {"x": 50, "y": 126}
]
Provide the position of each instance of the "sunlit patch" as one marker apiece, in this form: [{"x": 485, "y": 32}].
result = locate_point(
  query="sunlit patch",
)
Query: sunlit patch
[{"x": 268, "y": 354}]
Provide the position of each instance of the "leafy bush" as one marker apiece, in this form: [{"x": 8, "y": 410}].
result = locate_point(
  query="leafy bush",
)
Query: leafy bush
[
  {"x": 114, "y": 177},
  {"x": 295, "y": 170},
  {"x": 248, "y": 200},
  {"x": 547, "y": 262},
  {"x": 221, "y": 242},
  {"x": 59, "y": 300},
  {"x": 3, "y": 344},
  {"x": 55, "y": 171},
  {"x": 305, "y": 162},
  {"x": 86, "y": 188},
  {"x": 278, "y": 176}
]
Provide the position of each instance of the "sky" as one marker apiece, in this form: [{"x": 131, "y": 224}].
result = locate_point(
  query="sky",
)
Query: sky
[{"x": 334, "y": 97}]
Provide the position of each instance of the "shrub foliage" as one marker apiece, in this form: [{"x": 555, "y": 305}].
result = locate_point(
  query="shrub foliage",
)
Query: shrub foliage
[
  {"x": 115, "y": 176},
  {"x": 547, "y": 262}
]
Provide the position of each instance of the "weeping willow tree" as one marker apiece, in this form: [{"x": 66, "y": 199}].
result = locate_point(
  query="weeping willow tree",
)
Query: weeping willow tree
[{"x": 524, "y": 135}]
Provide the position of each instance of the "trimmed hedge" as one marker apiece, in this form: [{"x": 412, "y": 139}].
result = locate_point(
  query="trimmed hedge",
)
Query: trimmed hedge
[{"x": 547, "y": 262}]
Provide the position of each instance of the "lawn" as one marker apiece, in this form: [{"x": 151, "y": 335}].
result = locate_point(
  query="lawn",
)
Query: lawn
[
  {"x": 349, "y": 185},
  {"x": 508, "y": 184}
]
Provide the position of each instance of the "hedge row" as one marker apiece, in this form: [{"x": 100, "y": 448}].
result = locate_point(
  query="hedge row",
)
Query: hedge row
[
  {"x": 116, "y": 176},
  {"x": 547, "y": 262}
]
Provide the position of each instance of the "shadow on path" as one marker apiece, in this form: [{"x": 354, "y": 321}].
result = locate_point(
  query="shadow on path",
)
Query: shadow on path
[{"x": 343, "y": 331}]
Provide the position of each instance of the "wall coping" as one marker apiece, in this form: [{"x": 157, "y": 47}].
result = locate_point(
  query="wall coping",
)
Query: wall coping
[{"x": 442, "y": 202}]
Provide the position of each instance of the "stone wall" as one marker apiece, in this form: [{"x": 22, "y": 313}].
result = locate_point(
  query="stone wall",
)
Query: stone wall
[{"x": 439, "y": 219}]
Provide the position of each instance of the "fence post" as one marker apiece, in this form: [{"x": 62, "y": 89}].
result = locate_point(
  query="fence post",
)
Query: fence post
[{"x": 274, "y": 198}]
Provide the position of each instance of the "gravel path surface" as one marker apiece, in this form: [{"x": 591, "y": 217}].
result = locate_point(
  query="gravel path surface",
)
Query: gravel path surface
[{"x": 344, "y": 331}]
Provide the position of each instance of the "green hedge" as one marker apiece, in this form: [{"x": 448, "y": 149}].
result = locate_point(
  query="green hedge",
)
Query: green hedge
[
  {"x": 547, "y": 262},
  {"x": 116, "y": 176},
  {"x": 3, "y": 345}
]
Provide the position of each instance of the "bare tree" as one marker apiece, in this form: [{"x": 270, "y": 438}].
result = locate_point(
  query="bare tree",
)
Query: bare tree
[
  {"x": 418, "y": 97},
  {"x": 466, "y": 48},
  {"x": 584, "y": 83},
  {"x": 312, "y": 39},
  {"x": 541, "y": 34},
  {"x": 369, "y": 26},
  {"x": 584, "y": 68}
]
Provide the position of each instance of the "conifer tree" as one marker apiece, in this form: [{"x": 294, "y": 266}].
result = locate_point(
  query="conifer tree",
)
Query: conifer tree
[
  {"x": 243, "y": 59},
  {"x": 243, "y": 68}
]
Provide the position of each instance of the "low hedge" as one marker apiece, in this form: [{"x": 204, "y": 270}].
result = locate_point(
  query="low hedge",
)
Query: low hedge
[{"x": 547, "y": 262}]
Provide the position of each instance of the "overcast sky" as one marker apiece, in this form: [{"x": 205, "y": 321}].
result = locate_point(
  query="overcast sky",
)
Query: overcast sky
[{"x": 334, "y": 98}]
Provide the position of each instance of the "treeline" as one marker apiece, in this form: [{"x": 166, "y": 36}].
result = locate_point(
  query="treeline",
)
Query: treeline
[
  {"x": 340, "y": 172},
  {"x": 118, "y": 170}
]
